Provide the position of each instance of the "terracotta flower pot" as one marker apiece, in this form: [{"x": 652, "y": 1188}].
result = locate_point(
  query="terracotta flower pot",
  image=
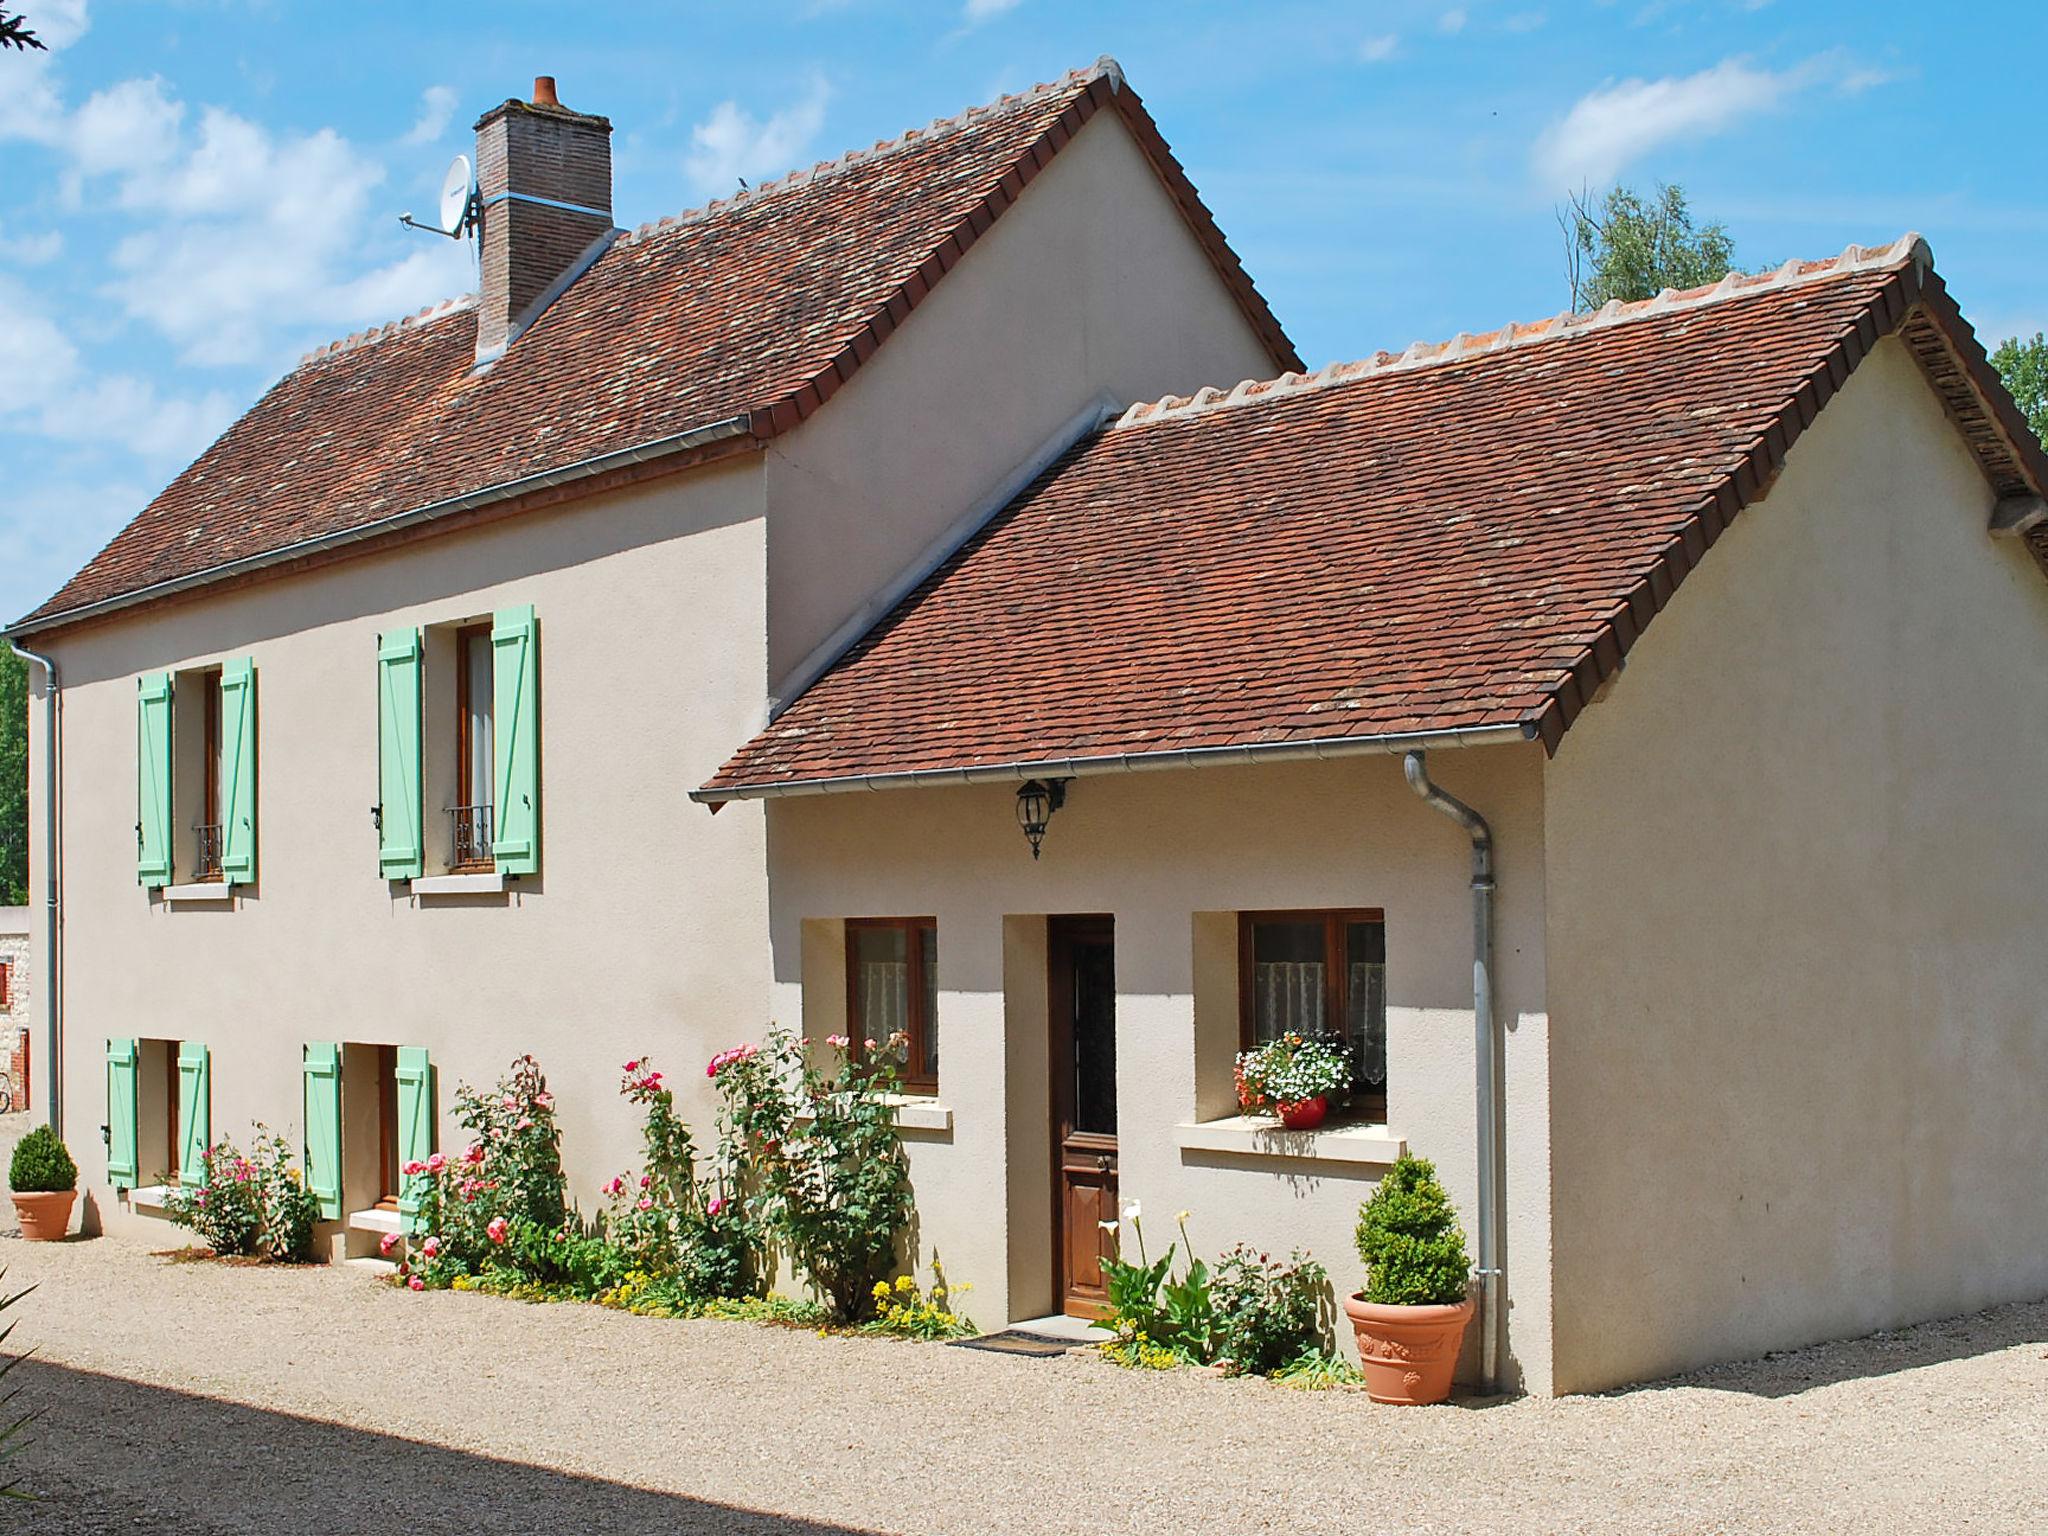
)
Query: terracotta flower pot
[
  {"x": 44, "y": 1216},
  {"x": 1408, "y": 1353},
  {"x": 1304, "y": 1114}
]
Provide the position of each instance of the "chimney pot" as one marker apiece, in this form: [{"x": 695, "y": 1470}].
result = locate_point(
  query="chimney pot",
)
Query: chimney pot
[{"x": 544, "y": 91}]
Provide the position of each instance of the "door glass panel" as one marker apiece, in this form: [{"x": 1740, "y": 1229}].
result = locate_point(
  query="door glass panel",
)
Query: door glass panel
[
  {"x": 1290, "y": 984},
  {"x": 1365, "y": 1003},
  {"x": 1095, "y": 1038},
  {"x": 479, "y": 683}
]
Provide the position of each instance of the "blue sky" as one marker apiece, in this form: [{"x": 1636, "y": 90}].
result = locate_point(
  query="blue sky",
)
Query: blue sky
[{"x": 198, "y": 190}]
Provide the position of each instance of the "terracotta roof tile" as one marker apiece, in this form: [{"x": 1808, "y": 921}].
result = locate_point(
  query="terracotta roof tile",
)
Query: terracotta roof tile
[
  {"x": 755, "y": 307},
  {"x": 1463, "y": 536}
]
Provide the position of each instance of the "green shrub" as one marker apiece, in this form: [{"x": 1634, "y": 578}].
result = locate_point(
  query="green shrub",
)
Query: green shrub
[
  {"x": 1409, "y": 1238},
  {"x": 1269, "y": 1312},
  {"x": 41, "y": 1164},
  {"x": 240, "y": 1205}
]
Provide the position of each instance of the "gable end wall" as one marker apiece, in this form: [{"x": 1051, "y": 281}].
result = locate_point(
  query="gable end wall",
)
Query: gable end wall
[{"x": 1798, "y": 1001}]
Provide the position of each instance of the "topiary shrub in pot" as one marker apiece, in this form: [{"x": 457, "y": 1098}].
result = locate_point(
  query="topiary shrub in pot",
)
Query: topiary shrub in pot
[
  {"x": 1410, "y": 1318},
  {"x": 44, "y": 1181}
]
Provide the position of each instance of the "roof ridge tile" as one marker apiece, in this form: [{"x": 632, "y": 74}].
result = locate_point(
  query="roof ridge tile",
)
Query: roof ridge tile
[
  {"x": 1907, "y": 249},
  {"x": 1104, "y": 68},
  {"x": 425, "y": 316}
]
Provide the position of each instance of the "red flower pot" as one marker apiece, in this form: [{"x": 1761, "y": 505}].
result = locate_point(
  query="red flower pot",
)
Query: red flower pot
[
  {"x": 1408, "y": 1354},
  {"x": 44, "y": 1217},
  {"x": 1304, "y": 1115}
]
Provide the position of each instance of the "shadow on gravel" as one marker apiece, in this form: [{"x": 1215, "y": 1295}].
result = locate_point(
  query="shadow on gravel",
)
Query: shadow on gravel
[
  {"x": 105, "y": 1454},
  {"x": 1787, "y": 1373}
]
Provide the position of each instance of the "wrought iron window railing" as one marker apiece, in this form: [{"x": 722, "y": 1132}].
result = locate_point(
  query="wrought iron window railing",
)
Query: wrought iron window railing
[
  {"x": 469, "y": 836},
  {"x": 206, "y": 851}
]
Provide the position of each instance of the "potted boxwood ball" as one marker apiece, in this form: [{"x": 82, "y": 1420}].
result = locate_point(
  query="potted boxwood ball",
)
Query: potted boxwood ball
[
  {"x": 1410, "y": 1318},
  {"x": 44, "y": 1181}
]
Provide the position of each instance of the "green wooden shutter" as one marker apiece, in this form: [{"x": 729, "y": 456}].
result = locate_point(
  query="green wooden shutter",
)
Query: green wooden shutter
[
  {"x": 153, "y": 779},
  {"x": 415, "y": 1125},
  {"x": 401, "y": 848},
  {"x": 238, "y": 771},
  {"x": 515, "y": 737},
  {"x": 121, "y": 1113},
  {"x": 323, "y": 1127},
  {"x": 195, "y": 1102}
]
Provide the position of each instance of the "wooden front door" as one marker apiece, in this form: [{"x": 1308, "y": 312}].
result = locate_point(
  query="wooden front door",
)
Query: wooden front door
[{"x": 1082, "y": 989}]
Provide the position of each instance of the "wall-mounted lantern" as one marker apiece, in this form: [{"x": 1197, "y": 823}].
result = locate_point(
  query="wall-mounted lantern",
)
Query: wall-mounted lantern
[{"x": 1036, "y": 801}]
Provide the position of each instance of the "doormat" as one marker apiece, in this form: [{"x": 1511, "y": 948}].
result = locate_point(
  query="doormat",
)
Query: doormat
[{"x": 1016, "y": 1342}]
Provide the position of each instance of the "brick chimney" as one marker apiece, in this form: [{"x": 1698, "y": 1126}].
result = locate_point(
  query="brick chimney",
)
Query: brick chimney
[{"x": 544, "y": 177}]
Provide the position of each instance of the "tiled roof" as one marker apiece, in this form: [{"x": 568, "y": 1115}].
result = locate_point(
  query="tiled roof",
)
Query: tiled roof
[
  {"x": 754, "y": 308},
  {"x": 1461, "y": 538}
]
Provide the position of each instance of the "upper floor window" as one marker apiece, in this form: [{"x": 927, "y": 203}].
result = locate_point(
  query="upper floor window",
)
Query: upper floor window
[
  {"x": 196, "y": 775},
  {"x": 1321, "y": 975},
  {"x": 458, "y": 724},
  {"x": 892, "y": 993},
  {"x": 6, "y": 983},
  {"x": 470, "y": 829}
]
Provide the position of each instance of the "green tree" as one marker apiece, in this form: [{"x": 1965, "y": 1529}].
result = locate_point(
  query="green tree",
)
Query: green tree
[
  {"x": 14, "y": 33},
  {"x": 2024, "y": 367},
  {"x": 13, "y": 778},
  {"x": 1631, "y": 247}
]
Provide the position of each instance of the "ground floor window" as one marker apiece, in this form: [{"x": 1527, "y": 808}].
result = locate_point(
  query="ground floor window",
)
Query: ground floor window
[
  {"x": 387, "y": 1126},
  {"x": 892, "y": 992},
  {"x": 1323, "y": 975}
]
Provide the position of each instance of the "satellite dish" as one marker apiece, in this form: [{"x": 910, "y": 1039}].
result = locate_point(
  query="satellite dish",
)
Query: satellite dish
[{"x": 455, "y": 196}]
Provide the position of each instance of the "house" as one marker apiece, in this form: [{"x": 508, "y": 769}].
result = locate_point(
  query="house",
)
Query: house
[{"x": 1619, "y": 730}]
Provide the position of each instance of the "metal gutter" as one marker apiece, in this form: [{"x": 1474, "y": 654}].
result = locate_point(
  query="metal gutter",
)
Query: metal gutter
[
  {"x": 1317, "y": 749},
  {"x": 583, "y": 469},
  {"x": 51, "y": 979}
]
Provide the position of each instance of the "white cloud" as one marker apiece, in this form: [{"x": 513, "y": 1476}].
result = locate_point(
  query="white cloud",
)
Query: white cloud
[
  {"x": 1523, "y": 21},
  {"x": 978, "y": 11},
  {"x": 732, "y": 143},
  {"x": 1452, "y": 21},
  {"x": 58, "y": 23},
  {"x": 437, "y": 110},
  {"x": 1611, "y": 128},
  {"x": 127, "y": 129},
  {"x": 31, "y": 250},
  {"x": 1375, "y": 50}
]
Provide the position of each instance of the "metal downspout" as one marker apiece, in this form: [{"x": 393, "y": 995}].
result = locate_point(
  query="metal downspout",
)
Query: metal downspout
[
  {"x": 1488, "y": 1088},
  {"x": 49, "y": 978}
]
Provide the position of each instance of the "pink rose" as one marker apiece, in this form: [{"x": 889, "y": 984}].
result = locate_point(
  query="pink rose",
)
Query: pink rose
[
  {"x": 495, "y": 1231},
  {"x": 413, "y": 1169},
  {"x": 431, "y": 1247},
  {"x": 632, "y": 1066},
  {"x": 617, "y": 1186},
  {"x": 509, "y": 1102},
  {"x": 436, "y": 1163},
  {"x": 837, "y": 1042},
  {"x": 416, "y": 1283},
  {"x": 714, "y": 1205},
  {"x": 646, "y": 1180},
  {"x": 646, "y": 1204},
  {"x": 475, "y": 1154},
  {"x": 544, "y": 1100},
  {"x": 387, "y": 1242},
  {"x": 525, "y": 1124},
  {"x": 869, "y": 1043}
]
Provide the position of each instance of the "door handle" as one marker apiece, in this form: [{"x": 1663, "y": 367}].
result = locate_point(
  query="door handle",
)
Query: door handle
[{"x": 1104, "y": 1162}]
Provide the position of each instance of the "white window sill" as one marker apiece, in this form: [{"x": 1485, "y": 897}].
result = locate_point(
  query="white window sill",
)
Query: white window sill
[
  {"x": 1261, "y": 1136},
  {"x": 150, "y": 1197},
  {"x": 915, "y": 1113},
  {"x": 459, "y": 885},
  {"x": 376, "y": 1219},
  {"x": 201, "y": 890}
]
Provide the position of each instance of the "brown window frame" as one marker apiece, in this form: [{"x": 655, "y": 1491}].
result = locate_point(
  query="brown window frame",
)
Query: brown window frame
[
  {"x": 1373, "y": 1104},
  {"x": 916, "y": 1026},
  {"x": 174, "y": 1174},
  {"x": 465, "y": 790},
  {"x": 387, "y": 1126},
  {"x": 6, "y": 983},
  {"x": 209, "y": 803}
]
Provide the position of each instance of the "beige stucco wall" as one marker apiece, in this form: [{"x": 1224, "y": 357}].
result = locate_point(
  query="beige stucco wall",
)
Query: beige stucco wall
[
  {"x": 1798, "y": 992},
  {"x": 1090, "y": 284},
  {"x": 1166, "y": 854},
  {"x": 645, "y": 929}
]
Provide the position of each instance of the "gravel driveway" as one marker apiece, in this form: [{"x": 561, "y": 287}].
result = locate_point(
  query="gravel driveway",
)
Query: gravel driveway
[{"x": 205, "y": 1399}]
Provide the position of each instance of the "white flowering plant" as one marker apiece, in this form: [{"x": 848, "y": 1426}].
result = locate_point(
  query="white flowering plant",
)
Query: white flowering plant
[{"x": 1290, "y": 1069}]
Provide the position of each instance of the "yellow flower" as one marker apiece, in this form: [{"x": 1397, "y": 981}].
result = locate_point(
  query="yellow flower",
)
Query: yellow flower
[
  {"x": 905, "y": 1283},
  {"x": 881, "y": 1291}
]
